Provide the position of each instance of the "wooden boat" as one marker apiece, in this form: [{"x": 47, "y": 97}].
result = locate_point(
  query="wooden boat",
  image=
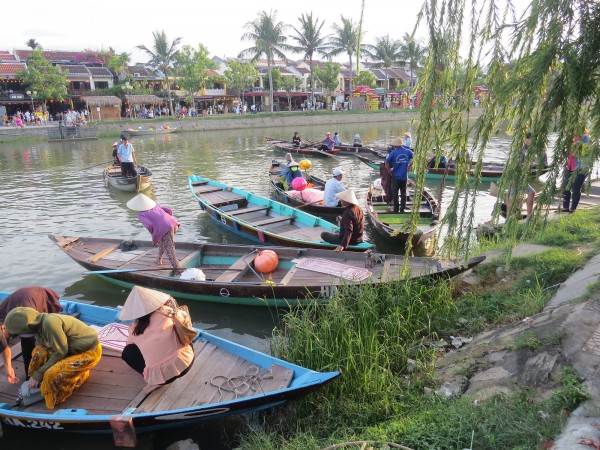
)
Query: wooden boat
[
  {"x": 395, "y": 226},
  {"x": 301, "y": 274},
  {"x": 489, "y": 171},
  {"x": 112, "y": 176},
  {"x": 292, "y": 198},
  {"x": 131, "y": 132},
  {"x": 262, "y": 219},
  {"x": 309, "y": 149},
  {"x": 111, "y": 401},
  {"x": 350, "y": 150},
  {"x": 63, "y": 133}
]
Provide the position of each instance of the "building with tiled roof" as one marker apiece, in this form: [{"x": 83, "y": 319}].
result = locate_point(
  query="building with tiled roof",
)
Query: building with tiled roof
[
  {"x": 54, "y": 56},
  {"x": 8, "y": 70},
  {"x": 5, "y": 56}
]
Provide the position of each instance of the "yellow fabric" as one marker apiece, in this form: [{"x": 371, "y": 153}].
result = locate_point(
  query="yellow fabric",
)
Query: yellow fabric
[{"x": 66, "y": 375}]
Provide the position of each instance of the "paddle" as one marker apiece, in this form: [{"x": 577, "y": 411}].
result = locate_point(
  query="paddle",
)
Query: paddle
[
  {"x": 308, "y": 204},
  {"x": 99, "y": 164},
  {"x": 100, "y": 272}
]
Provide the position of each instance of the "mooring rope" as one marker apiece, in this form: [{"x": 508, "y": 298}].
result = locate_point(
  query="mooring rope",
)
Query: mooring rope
[{"x": 242, "y": 384}]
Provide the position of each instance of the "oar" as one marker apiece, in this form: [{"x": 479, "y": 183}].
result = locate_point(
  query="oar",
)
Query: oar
[
  {"x": 96, "y": 165},
  {"x": 308, "y": 204},
  {"x": 101, "y": 272}
]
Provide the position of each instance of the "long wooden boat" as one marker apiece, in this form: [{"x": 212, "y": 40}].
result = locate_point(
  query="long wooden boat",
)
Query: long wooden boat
[
  {"x": 131, "y": 132},
  {"x": 395, "y": 226},
  {"x": 262, "y": 219},
  {"x": 350, "y": 150},
  {"x": 489, "y": 171},
  {"x": 301, "y": 274},
  {"x": 309, "y": 149},
  {"x": 112, "y": 177},
  {"x": 297, "y": 199},
  {"x": 111, "y": 401}
]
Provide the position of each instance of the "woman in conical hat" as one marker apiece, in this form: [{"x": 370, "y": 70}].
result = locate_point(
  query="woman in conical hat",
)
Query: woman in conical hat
[
  {"x": 352, "y": 223},
  {"x": 161, "y": 224},
  {"x": 153, "y": 348}
]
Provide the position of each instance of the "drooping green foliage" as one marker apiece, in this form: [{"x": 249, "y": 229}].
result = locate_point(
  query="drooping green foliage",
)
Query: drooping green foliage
[
  {"x": 543, "y": 72},
  {"x": 192, "y": 68}
]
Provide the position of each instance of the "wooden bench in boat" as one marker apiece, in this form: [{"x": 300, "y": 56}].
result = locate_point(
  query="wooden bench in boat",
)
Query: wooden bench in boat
[
  {"x": 207, "y": 189},
  {"x": 237, "y": 269},
  {"x": 272, "y": 220},
  {"x": 204, "y": 384},
  {"x": 252, "y": 209}
]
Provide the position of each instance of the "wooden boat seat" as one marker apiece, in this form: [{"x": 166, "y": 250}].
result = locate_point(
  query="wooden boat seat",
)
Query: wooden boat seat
[
  {"x": 272, "y": 220},
  {"x": 207, "y": 189},
  {"x": 191, "y": 260},
  {"x": 237, "y": 269},
  {"x": 199, "y": 183},
  {"x": 249, "y": 210}
]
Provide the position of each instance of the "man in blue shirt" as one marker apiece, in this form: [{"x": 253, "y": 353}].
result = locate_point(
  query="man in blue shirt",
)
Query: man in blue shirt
[
  {"x": 126, "y": 155},
  {"x": 398, "y": 162}
]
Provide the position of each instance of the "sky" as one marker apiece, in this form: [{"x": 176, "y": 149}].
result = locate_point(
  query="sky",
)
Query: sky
[{"x": 123, "y": 25}]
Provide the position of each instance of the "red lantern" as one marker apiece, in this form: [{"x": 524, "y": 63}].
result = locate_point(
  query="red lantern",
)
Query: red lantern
[{"x": 266, "y": 261}]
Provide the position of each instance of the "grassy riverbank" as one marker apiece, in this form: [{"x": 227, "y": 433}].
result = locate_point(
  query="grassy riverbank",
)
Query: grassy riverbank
[{"x": 384, "y": 343}]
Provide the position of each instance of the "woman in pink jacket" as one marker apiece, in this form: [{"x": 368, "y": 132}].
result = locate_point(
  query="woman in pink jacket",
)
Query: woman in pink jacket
[
  {"x": 161, "y": 224},
  {"x": 153, "y": 348}
]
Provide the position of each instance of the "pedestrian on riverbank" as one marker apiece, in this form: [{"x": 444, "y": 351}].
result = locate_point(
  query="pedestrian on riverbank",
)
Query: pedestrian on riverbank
[
  {"x": 126, "y": 155},
  {"x": 161, "y": 224},
  {"x": 573, "y": 177}
]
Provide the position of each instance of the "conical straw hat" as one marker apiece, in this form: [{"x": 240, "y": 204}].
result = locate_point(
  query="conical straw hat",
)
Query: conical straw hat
[
  {"x": 348, "y": 196},
  {"x": 141, "y": 203},
  {"x": 142, "y": 301}
]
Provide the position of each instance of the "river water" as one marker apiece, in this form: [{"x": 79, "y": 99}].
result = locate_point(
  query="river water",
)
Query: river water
[{"x": 48, "y": 188}]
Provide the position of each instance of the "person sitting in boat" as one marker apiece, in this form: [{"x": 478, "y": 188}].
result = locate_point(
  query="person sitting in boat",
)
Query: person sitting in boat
[
  {"x": 115, "y": 147},
  {"x": 352, "y": 223},
  {"x": 161, "y": 224},
  {"x": 327, "y": 144},
  {"x": 39, "y": 298},
  {"x": 333, "y": 187},
  {"x": 440, "y": 162},
  {"x": 336, "y": 139},
  {"x": 357, "y": 142},
  {"x": 296, "y": 139},
  {"x": 291, "y": 171},
  {"x": 153, "y": 348},
  {"x": 126, "y": 155},
  {"x": 67, "y": 349}
]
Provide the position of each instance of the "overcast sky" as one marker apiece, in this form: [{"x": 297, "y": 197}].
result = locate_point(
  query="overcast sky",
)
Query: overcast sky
[{"x": 218, "y": 25}]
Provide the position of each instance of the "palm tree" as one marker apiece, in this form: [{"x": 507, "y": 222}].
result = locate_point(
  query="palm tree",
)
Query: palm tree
[
  {"x": 386, "y": 52},
  {"x": 310, "y": 40},
  {"x": 344, "y": 39},
  {"x": 33, "y": 44},
  {"x": 162, "y": 56},
  {"x": 412, "y": 52},
  {"x": 269, "y": 40}
]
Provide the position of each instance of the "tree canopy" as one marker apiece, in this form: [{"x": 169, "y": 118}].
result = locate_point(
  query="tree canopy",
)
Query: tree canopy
[{"x": 47, "y": 81}]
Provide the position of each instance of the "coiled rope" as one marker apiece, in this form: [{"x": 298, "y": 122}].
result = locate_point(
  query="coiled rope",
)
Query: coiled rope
[{"x": 250, "y": 381}]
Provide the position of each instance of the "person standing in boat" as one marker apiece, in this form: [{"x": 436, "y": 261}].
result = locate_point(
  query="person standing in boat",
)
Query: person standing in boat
[
  {"x": 352, "y": 223},
  {"x": 398, "y": 163},
  {"x": 39, "y": 298},
  {"x": 126, "y": 155},
  {"x": 408, "y": 139},
  {"x": 67, "y": 349},
  {"x": 336, "y": 139},
  {"x": 357, "y": 142},
  {"x": 333, "y": 187},
  {"x": 161, "y": 224},
  {"x": 153, "y": 348},
  {"x": 115, "y": 147}
]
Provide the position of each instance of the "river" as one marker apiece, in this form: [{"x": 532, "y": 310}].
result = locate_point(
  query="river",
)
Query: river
[{"x": 58, "y": 188}]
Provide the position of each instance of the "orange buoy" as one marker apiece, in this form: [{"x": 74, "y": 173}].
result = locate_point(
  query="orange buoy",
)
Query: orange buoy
[{"x": 266, "y": 261}]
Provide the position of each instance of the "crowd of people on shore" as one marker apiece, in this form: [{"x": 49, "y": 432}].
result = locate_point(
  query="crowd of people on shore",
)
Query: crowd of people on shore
[{"x": 22, "y": 119}]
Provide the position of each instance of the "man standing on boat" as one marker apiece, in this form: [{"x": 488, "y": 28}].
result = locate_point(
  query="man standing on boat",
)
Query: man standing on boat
[
  {"x": 398, "y": 163},
  {"x": 126, "y": 155},
  {"x": 352, "y": 223},
  {"x": 333, "y": 187}
]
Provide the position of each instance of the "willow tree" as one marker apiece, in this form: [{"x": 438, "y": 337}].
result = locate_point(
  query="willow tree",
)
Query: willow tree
[
  {"x": 543, "y": 70},
  {"x": 162, "y": 55},
  {"x": 269, "y": 40}
]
